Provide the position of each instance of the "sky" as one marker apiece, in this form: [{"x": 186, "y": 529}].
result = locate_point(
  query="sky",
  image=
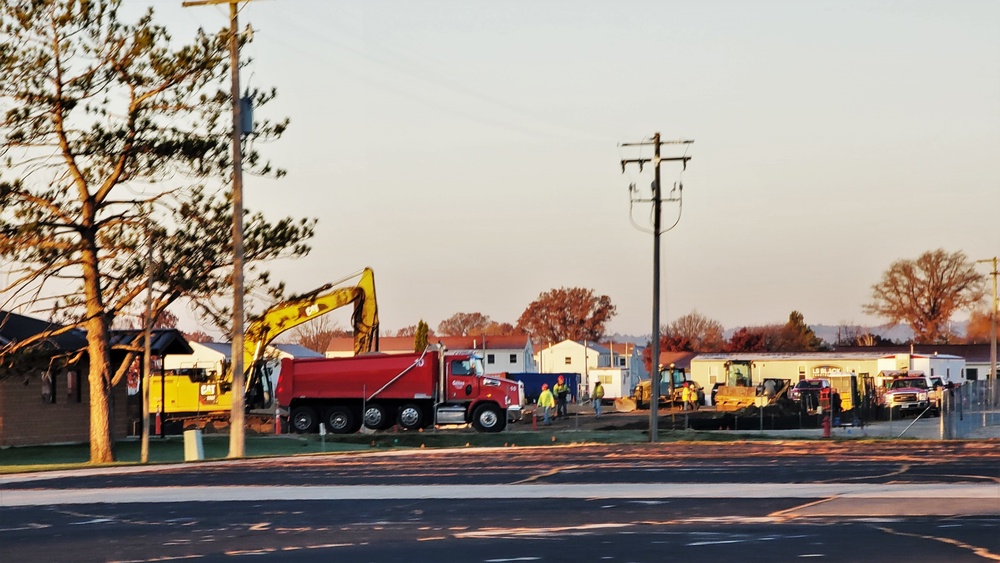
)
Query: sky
[{"x": 470, "y": 152}]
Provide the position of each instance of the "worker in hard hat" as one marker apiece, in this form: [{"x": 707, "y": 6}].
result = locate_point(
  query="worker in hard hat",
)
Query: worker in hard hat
[
  {"x": 686, "y": 398},
  {"x": 561, "y": 391},
  {"x": 546, "y": 402}
]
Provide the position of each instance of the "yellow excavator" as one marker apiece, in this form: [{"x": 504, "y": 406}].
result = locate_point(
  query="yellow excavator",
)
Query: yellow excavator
[{"x": 197, "y": 392}]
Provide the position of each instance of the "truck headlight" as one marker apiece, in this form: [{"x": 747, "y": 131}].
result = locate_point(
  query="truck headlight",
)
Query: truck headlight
[{"x": 922, "y": 396}]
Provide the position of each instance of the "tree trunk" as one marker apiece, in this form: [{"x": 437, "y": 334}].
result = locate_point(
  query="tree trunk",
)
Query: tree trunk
[{"x": 99, "y": 374}]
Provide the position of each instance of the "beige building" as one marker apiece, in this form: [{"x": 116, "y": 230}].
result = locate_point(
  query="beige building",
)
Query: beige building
[{"x": 709, "y": 369}]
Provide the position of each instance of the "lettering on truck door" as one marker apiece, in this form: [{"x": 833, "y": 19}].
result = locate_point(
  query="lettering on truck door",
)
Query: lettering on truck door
[{"x": 462, "y": 383}]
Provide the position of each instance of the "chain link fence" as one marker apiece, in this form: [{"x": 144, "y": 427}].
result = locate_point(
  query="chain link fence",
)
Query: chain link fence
[{"x": 970, "y": 408}]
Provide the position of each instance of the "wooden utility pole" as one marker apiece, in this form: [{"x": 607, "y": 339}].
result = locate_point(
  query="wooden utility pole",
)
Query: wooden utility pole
[
  {"x": 993, "y": 324},
  {"x": 237, "y": 417},
  {"x": 657, "y": 201},
  {"x": 147, "y": 363}
]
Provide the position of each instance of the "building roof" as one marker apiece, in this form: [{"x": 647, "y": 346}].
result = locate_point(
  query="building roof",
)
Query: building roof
[
  {"x": 165, "y": 341},
  {"x": 224, "y": 348},
  {"x": 680, "y": 360},
  {"x": 588, "y": 344},
  {"x": 297, "y": 351},
  {"x": 976, "y": 353},
  {"x": 16, "y": 328},
  {"x": 874, "y": 353},
  {"x": 620, "y": 348},
  {"x": 345, "y": 344}
]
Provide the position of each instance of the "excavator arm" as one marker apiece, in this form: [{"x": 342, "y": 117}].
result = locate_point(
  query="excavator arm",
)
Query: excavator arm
[{"x": 289, "y": 314}]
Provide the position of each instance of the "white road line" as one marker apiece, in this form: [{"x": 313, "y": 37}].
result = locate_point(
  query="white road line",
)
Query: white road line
[{"x": 988, "y": 492}]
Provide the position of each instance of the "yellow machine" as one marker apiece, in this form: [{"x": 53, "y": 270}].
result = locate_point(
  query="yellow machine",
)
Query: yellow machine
[
  {"x": 738, "y": 390},
  {"x": 195, "y": 392},
  {"x": 644, "y": 390}
]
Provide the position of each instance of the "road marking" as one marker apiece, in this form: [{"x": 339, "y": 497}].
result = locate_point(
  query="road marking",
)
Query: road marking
[
  {"x": 984, "y": 497},
  {"x": 983, "y": 552}
]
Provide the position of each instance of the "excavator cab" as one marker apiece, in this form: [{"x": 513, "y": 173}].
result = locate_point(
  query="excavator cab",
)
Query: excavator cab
[{"x": 261, "y": 393}]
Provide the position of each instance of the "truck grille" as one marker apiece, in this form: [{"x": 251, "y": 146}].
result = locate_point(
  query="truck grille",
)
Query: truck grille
[{"x": 904, "y": 397}]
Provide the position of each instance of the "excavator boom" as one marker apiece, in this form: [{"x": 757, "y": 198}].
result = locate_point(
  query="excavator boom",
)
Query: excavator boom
[
  {"x": 293, "y": 312},
  {"x": 211, "y": 394},
  {"x": 303, "y": 308}
]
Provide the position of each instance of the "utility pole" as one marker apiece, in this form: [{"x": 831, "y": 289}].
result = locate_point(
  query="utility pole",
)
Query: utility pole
[
  {"x": 993, "y": 325},
  {"x": 147, "y": 363},
  {"x": 657, "y": 201},
  {"x": 237, "y": 418}
]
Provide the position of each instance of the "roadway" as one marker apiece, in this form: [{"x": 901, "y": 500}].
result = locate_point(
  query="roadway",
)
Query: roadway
[{"x": 726, "y": 501}]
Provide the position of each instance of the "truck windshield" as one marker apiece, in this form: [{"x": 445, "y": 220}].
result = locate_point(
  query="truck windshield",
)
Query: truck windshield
[
  {"x": 904, "y": 383},
  {"x": 477, "y": 366}
]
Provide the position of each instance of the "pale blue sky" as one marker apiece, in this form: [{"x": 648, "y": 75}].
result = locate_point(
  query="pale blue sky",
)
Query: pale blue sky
[{"x": 468, "y": 150}]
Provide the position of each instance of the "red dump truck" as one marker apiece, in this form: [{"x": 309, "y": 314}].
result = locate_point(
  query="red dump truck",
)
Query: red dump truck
[{"x": 379, "y": 390}]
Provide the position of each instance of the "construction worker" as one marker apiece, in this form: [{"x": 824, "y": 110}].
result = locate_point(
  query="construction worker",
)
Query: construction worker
[
  {"x": 546, "y": 402},
  {"x": 686, "y": 401},
  {"x": 561, "y": 391},
  {"x": 598, "y": 397}
]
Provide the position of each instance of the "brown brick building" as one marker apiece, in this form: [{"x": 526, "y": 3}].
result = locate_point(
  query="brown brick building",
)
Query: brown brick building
[{"x": 46, "y": 400}]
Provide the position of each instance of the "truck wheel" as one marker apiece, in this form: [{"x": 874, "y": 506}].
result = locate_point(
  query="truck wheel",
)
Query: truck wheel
[
  {"x": 377, "y": 417},
  {"x": 341, "y": 420},
  {"x": 304, "y": 420},
  {"x": 411, "y": 417},
  {"x": 488, "y": 418}
]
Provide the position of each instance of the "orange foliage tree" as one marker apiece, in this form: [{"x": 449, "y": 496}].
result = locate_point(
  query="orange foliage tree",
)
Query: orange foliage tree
[{"x": 567, "y": 313}]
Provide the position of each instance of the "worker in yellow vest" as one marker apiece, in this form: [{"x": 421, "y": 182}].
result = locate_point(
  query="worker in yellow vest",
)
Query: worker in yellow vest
[
  {"x": 686, "y": 399},
  {"x": 561, "y": 391},
  {"x": 546, "y": 402},
  {"x": 598, "y": 398}
]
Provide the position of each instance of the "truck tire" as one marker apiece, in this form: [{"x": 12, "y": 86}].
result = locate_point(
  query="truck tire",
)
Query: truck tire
[
  {"x": 489, "y": 418},
  {"x": 411, "y": 416},
  {"x": 341, "y": 420},
  {"x": 376, "y": 417},
  {"x": 304, "y": 420}
]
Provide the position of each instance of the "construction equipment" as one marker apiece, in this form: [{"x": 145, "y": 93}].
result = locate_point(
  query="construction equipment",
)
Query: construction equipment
[
  {"x": 738, "y": 391},
  {"x": 643, "y": 391},
  {"x": 183, "y": 396}
]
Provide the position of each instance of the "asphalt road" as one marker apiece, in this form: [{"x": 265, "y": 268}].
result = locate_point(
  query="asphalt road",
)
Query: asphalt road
[{"x": 742, "y": 501}]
